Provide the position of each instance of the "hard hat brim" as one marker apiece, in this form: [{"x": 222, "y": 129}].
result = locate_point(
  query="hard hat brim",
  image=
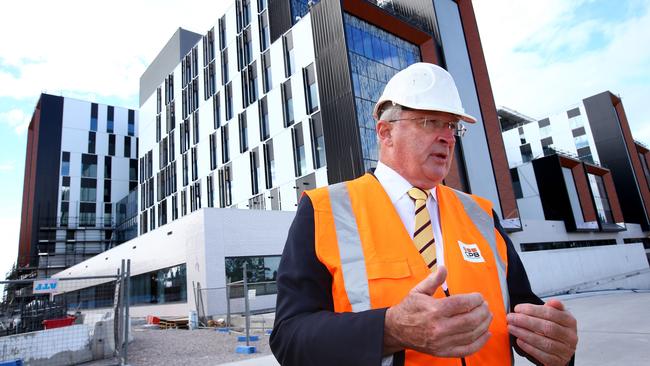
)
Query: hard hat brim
[{"x": 463, "y": 116}]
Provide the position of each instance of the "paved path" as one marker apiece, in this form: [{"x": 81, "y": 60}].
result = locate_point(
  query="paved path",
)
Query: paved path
[{"x": 613, "y": 328}]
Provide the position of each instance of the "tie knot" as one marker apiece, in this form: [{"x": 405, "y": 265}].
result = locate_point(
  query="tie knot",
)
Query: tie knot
[{"x": 418, "y": 193}]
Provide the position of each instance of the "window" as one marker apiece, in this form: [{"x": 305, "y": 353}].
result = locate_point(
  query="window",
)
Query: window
[
  {"x": 255, "y": 172},
  {"x": 228, "y": 100},
  {"x": 158, "y": 128},
  {"x": 65, "y": 189},
  {"x": 516, "y": 183},
  {"x": 213, "y": 151},
  {"x": 209, "y": 182},
  {"x": 127, "y": 147},
  {"x": 267, "y": 82},
  {"x": 185, "y": 135},
  {"x": 261, "y": 5},
  {"x": 581, "y": 141},
  {"x": 172, "y": 146},
  {"x": 300, "y": 163},
  {"x": 171, "y": 116},
  {"x": 89, "y": 166},
  {"x": 522, "y": 136},
  {"x": 222, "y": 32},
  {"x": 87, "y": 214},
  {"x": 93, "y": 116},
  {"x": 88, "y": 191},
  {"x": 216, "y": 111},
  {"x": 133, "y": 169},
  {"x": 65, "y": 209},
  {"x": 317, "y": 141},
  {"x": 243, "y": 133},
  {"x": 185, "y": 171},
  {"x": 131, "y": 123},
  {"x": 576, "y": 122},
  {"x": 174, "y": 207},
  {"x": 109, "y": 119},
  {"x": 269, "y": 164},
  {"x": 184, "y": 202},
  {"x": 289, "y": 62},
  {"x": 65, "y": 163},
  {"x": 225, "y": 151},
  {"x": 600, "y": 199},
  {"x": 107, "y": 190},
  {"x": 197, "y": 195},
  {"x": 225, "y": 182},
  {"x": 208, "y": 47},
  {"x": 264, "y": 119},
  {"x": 287, "y": 104},
  {"x": 195, "y": 165},
  {"x": 195, "y": 127},
  {"x": 91, "y": 142},
  {"x": 224, "y": 67},
  {"x": 311, "y": 89},
  {"x": 111, "y": 145},
  {"x": 644, "y": 165},
  {"x": 258, "y": 269},
  {"x": 265, "y": 37},
  {"x": 526, "y": 153}
]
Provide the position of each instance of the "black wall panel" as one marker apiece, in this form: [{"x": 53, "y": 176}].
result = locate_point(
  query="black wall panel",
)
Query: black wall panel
[
  {"x": 613, "y": 154},
  {"x": 46, "y": 189},
  {"x": 279, "y": 18},
  {"x": 342, "y": 140},
  {"x": 553, "y": 191}
]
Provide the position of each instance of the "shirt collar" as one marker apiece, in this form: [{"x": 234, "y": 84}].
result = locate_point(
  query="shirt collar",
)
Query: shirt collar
[{"x": 394, "y": 184}]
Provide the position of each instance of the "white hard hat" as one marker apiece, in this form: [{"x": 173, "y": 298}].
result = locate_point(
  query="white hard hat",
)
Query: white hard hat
[{"x": 423, "y": 86}]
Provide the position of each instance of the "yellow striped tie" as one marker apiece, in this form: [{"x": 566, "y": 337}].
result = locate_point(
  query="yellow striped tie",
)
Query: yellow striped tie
[{"x": 423, "y": 234}]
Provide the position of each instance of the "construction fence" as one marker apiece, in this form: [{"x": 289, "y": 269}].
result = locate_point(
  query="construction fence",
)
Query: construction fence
[{"x": 65, "y": 321}]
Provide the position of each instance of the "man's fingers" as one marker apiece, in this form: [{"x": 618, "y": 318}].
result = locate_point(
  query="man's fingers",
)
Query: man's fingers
[
  {"x": 544, "y": 327},
  {"x": 468, "y": 349},
  {"x": 479, "y": 317},
  {"x": 542, "y": 343},
  {"x": 548, "y": 312},
  {"x": 430, "y": 284},
  {"x": 460, "y": 304},
  {"x": 541, "y": 356},
  {"x": 556, "y": 304}
]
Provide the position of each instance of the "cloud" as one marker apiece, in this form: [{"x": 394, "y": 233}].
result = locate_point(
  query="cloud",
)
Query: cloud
[
  {"x": 15, "y": 119},
  {"x": 10, "y": 227},
  {"x": 7, "y": 167},
  {"x": 92, "y": 51},
  {"x": 545, "y": 56}
]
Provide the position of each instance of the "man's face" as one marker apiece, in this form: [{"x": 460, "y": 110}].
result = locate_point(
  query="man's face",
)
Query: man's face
[{"x": 422, "y": 155}]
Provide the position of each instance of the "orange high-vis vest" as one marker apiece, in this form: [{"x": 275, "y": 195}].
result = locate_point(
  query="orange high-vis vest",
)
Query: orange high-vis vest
[{"x": 363, "y": 243}]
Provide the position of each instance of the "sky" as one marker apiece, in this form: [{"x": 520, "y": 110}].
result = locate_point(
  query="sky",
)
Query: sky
[{"x": 542, "y": 57}]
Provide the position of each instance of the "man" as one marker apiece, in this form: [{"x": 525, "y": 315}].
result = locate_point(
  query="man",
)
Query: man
[{"x": 394, "y": 268}]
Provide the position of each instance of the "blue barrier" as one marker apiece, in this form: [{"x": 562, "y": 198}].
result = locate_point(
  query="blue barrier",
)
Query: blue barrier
[
  {"x": 245, "y": 349},
  {"x": 250, "y": 338},
  {"x": 12, "y": 363}
]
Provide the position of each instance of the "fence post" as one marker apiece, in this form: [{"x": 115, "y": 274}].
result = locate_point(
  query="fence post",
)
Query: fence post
[
  {"x": 120, "y": 319},
  {"x": 127, "y": 284},
  {"x": 228, "y": 302},
  {"x": 246, "y": 306}
]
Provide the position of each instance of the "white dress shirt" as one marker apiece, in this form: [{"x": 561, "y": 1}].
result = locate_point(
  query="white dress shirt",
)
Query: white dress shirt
[{"x": 397, "y": 189}]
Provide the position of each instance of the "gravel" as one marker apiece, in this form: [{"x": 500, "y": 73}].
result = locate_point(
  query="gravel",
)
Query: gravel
[{"x": 153, "y": 346}]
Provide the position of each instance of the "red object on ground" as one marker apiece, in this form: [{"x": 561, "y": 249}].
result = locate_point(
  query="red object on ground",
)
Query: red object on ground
[
  {"x": 58, "y": 323},
  {"x": 153, "y": 319}
]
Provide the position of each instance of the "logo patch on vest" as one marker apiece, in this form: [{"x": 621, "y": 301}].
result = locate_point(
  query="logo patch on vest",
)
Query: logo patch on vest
[{"x": 470, "y": 252}]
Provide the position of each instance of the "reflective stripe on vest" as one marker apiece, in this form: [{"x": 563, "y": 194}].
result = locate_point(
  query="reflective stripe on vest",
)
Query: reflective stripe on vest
[
  {"x": 485, "y": 225},
  {"x": 353, "y": 262}
]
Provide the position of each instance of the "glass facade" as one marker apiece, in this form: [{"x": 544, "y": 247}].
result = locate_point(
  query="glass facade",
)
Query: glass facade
[
  {"x": 375, "y": 56},
  {"x": 600, "y": 198},
  {"x": 299, "y": 8},
  {"x": 259, "y": 269},
  {"x": 158, "y": 287}
]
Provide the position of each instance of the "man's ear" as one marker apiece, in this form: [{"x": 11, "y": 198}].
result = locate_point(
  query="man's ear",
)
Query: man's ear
[{"x": 384, "y": 133}]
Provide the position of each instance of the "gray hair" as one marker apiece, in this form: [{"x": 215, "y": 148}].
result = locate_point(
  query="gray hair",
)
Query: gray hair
[{"x": 390, "y": 111}]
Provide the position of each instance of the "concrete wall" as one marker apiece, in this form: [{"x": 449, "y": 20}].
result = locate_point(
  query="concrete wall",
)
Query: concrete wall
[
  {"x": 60, "y": 346},
  {"x": 556, "y": 271}
]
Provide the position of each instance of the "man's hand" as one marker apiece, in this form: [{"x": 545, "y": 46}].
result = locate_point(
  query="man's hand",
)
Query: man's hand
[
  {"x": 546, "y": 332},
  {"x": 455, "y": 326}
]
